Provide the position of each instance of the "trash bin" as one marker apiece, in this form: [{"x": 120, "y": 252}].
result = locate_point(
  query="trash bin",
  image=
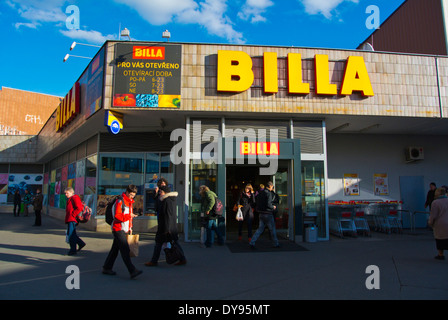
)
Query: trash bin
[{"x": 311, "y": 233}]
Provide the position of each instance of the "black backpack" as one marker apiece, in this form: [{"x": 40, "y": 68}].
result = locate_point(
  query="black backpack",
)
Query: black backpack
[{"x": 109, "y": 212}]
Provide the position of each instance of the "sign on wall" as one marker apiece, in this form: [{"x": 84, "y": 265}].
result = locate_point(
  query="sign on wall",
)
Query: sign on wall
[
  {"x": 351, "y": 184},
  {"x": 147, "y": 76},
  {"x": 381, "y": 184}
]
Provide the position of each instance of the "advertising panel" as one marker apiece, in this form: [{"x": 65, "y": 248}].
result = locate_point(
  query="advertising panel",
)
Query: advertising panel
[
  {"x": 147, "y": 76},
  {"x": 91, "y": 83}
]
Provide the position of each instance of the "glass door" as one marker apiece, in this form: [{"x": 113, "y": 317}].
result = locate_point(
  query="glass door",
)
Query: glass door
[
  {"x": 200, "y": 174},
  {"x": 282, "y": 188},
  {"x": 313, "y": 193}
]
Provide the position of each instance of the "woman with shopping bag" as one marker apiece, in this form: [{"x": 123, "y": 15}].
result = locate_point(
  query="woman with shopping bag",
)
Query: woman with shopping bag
[
  {"x": 246, "y": 204},
  {"x": 167, "y": 228},
  {"x": 121, "y": 227}
]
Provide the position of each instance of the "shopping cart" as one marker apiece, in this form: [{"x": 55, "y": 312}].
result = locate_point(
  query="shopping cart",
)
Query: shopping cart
[
  {"x": 385, "y": 217},
  {"x": 341, "y": 221},
  {"x": 361, "y": 224}
]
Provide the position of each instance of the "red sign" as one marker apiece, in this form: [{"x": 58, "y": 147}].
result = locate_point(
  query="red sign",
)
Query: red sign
[
  {"x": 259, "y": 148},
  {"x": 69, "y": 108},
  {"x": 148, "y": 52}
]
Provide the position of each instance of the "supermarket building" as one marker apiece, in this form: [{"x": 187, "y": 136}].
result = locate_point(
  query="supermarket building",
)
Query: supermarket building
[{"x": 331, "y": 124}]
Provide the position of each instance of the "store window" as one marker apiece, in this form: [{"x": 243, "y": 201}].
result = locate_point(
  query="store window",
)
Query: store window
[
  {"x": 158, "y": 165},
  {"x": 200, "y": 174},
  {"x": 116, "y": 172},
  {"x": 313, "y": 192}
]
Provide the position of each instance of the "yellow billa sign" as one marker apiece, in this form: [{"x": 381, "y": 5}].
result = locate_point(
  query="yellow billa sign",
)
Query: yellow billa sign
[{"x": 235, "y": 74}]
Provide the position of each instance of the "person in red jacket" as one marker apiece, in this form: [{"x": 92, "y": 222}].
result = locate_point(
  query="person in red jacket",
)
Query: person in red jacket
[
  {"x": 122, "y": 224},
  {"x": 72, "y": 210}
]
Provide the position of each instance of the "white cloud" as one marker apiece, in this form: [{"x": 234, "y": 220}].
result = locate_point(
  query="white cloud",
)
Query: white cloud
[
  {"x": 31, "y": 25},
  {"x": 209, "y": 14},
  {"x": 39, "y": 11},
  {"x": 88, "y": 36},
  {"x": 253, "y": 10},
  {"x": 324, "y": 7}
]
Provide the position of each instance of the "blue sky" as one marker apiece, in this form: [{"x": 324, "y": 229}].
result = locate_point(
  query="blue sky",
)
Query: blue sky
[{"x": 36, "y": 35}]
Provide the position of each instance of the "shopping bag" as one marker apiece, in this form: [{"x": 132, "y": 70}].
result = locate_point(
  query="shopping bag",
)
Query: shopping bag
[
  {"x": 133, "y": 244},
  {"x": 239, "y": 215},
  {"x": 172, "y": 254}
]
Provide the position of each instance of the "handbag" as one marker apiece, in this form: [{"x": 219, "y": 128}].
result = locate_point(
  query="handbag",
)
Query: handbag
[
  {"x": 133, "y": 244},
  {"x": 239, "y": 215},
  {"x": 172, "y": 254}
]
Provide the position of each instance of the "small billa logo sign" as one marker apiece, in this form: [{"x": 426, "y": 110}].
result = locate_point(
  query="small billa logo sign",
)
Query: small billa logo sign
[
  {"x": 146, "y": 52},
  {"x": 259, "y": 148}
]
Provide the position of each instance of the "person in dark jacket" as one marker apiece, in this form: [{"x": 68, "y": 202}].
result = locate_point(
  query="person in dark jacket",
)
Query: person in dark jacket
[
  {"x": 37, "y": 204},
  {"x": 247, "y": 203},
  {"x": 17, "y": 202},
  {"x": 265, "y": 208},
  {"x": 167, "y": 225},
  {"x": 430, "y": 195}
]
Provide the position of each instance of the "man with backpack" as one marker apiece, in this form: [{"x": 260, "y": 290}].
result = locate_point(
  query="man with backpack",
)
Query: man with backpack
[
  {"x": 73, "y": 208},
  {"x": 208, "y": 217},
  {"x": 122, "y": 211}
]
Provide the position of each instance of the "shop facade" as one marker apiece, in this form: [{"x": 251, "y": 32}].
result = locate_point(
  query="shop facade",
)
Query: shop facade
[{"x": 224, "y": 115}]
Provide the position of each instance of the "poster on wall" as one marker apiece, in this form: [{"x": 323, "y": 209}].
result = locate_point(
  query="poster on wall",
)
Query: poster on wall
[
  {"x": 351, "y": 184},
  {"x": 380, "y": 184},
  {"x": 147, "y": 76},
  {"x": 3, "y": 187},
  {"x": 22, "y": 182}
]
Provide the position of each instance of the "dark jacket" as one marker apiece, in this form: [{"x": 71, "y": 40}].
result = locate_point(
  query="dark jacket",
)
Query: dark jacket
[
  {"x": 167, "y": 227},
  {"x": 37, "y": 202},
  {"x": 17, "y": 198},
  {"x": 246, "y": 201},
  {"x": 264, "y": 201},
  {"x": 430, "y": 198}
]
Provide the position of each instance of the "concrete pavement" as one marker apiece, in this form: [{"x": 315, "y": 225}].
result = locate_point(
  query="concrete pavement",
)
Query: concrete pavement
[{"x": 33, "y": 265}]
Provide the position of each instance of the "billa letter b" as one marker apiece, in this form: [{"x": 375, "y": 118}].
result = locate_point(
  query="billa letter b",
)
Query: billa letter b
[
  {"x": 373, "y": 281},
  {"x": 234, "y": 71}
]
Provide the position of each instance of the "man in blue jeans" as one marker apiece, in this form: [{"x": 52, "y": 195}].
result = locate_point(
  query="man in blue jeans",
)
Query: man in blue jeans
[
  {"x": 208, "y": 220},
  {"x": 265, "y": 208}
]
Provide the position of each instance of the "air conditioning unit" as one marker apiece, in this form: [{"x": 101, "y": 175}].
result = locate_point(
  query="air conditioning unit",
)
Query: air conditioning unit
[{"x": 414, "y": 153}]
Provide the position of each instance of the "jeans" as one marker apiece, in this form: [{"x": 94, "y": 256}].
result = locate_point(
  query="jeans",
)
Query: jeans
[
  {"x": 72, "y": 237},
  {"x": 266, "y": 220},
  {"x": 121, "y": 245},
  {"x": 211, "y": 228}
]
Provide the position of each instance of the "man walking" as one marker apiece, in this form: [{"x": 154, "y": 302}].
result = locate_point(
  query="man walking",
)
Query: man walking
[
  {"x": 265, "y": 208},
  {"x": 122, "y": 224}
]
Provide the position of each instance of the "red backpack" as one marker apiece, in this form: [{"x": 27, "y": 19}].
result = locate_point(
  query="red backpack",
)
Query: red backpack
[{"x": 85, "y": 214}]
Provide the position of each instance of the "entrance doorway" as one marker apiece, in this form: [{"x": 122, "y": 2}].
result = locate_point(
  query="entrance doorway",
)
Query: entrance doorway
[{"x": 238, "y": 176}]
